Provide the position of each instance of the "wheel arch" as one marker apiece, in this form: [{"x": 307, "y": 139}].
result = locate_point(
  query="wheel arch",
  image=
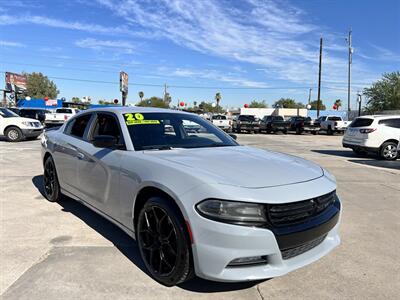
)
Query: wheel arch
[
  {"x": 46, "y": 156},
  {"x": 9, "y": 126},
  {"x": 389, "y": 140},
  {"x": 148, "y": 191}
]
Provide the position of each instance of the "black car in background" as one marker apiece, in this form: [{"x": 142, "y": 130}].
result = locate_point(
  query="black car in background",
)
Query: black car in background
[
  {"x": 246, "y": 123},
  {"x": 303, "y": 124},
  {"x": 274, "y": 124},
  {"x": 32, "y": 113}
]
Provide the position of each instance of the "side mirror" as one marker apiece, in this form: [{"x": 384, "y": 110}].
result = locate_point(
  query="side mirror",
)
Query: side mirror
[
  {"x": 104, "y": 141},
  {"x": 234, "y": 136}
]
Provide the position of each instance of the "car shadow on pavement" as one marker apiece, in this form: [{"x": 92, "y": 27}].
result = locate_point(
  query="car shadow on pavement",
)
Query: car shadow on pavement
[
  {"x": 128, "y": 247},
  {"x": 343, "y": 153},
  {"x": 394, "y": 165}
]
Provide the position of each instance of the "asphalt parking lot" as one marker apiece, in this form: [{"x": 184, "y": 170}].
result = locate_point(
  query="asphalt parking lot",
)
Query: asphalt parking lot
[{"x": 65, "y": 251}]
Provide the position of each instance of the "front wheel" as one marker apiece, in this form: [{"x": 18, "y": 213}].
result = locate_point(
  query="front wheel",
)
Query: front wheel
[
  {"x": 50, "y": 181},
  {"x": 13, "y": 134},
  {"x": 389, "y": 151},
  {"x": 163, "y": 242}
]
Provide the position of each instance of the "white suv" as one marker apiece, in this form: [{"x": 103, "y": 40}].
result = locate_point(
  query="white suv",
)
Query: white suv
[
  {"x": 16, "y": 128},
  {"x": 379, "y": 134}
]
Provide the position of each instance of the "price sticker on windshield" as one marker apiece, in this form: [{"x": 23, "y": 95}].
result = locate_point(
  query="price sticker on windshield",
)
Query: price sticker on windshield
[{"x": 138, "y": 119}]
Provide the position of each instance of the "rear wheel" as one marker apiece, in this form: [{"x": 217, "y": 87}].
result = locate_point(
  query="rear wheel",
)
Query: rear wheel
[
  {"x": 13, "y": 134},
  {"x": 389, "y": 151},
  {"x": 50, "y": 181},
  {"x": 329, "y": 131},
  {"x": 163, "y": 242}
]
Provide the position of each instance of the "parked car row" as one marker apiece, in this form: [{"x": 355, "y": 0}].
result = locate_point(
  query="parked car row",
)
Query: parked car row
[
  {"x": 297, "y": 124},
  {"x": 46, "y": 116}
]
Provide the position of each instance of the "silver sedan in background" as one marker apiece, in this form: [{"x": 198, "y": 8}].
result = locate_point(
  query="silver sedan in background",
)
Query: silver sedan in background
[{"x": 196, "y": 201}]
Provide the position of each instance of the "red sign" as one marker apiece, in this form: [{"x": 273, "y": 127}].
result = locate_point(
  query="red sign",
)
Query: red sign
[{"x": 15, "y": 82}]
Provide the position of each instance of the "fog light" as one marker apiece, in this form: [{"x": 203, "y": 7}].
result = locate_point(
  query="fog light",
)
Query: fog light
[{"x": 251, "y": 260}]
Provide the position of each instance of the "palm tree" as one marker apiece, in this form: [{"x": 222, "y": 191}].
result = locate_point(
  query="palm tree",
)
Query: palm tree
[
  {"x": 218, "y": 98},
  {"x": 141, "y": 95},
  {"x": 338, "y": 103}
]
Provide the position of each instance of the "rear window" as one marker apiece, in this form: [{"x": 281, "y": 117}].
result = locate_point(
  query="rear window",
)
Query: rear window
[
  {"x": 334, "y": 118},
  {"x": 246, "y": 118},
  {"x": 361, "y": 122},
  {"x": 64, "y": 111},
  {"x": 278, "y": 118}
]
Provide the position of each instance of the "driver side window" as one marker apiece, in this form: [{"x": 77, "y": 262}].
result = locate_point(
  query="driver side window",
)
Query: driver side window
[{"x": 107, "y": 124}]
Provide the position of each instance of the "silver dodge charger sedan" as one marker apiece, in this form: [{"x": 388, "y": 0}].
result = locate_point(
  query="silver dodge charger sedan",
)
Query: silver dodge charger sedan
[{"x": 196, "y": 201}]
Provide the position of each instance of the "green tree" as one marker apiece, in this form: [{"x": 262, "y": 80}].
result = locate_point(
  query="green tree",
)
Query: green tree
[
  {"x": 75, "y": 99},
  {"x": 141, "y": 95},
  {"x": 153, "y": 102},
  {"x": 39, "y": 86},
  {"x": 338, "y": 103},
  {"x": 105, "y": 102},
  {"x": 218, "y": 98},
  {"x": 258, "y": 104},
  {"x": 288, "y": 103},
  {"x": 314, "y": 105},
  {"x": 208, "y": 107},
  {"x": 384, "y": 94}
]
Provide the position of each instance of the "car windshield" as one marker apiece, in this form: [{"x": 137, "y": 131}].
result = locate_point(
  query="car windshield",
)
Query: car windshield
[
  {"x": 6, "y": 113},
  {"x": 165, "y": 131},
  {"x": 219, "y": 117}
]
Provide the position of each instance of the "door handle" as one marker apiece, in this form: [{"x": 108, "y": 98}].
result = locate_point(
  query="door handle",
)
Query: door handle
[{"x": 80, "y": 155}]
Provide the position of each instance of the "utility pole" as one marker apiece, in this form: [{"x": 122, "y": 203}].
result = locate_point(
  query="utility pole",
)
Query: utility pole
[
  {"x": 309, "y": 95},
  {"x": 319, "y": 76},
  {"x": 349, "y": 70}
]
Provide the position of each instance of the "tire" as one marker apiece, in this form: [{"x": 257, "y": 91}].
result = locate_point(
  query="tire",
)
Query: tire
[
  {"x": 13, "y": 134},
  {"x": 329, "y": 131},
  {"x": 298, "y": 130},
  {"x": 284, "y": 131},
  {"x": 51, "y": 186},
  {"x": 164, "y": 243},
  {"x": 388, "y": 151},
  {"x": 314, "y": 132}
]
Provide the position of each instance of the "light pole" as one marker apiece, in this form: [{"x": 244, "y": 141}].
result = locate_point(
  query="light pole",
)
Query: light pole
[
  {"x": 309, "y": 95},
  {"x": 359, "y": 103},
  {"x": 351, "y": 50}
]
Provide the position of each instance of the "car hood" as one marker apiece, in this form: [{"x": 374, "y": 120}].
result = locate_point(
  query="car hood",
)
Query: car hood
[{"x": 243, "y": 166}]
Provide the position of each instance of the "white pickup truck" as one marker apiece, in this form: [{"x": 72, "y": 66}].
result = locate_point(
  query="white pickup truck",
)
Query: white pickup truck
[
  {"x": 60, "y": 115},
  {"x": 222, "y": 122},
  {"x": 332, "y": 124}
]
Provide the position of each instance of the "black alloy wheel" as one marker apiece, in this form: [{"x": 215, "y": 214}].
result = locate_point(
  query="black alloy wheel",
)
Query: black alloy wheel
[
  {"x": 164, "y": 243},
  {"x": 50, "y": 181}
]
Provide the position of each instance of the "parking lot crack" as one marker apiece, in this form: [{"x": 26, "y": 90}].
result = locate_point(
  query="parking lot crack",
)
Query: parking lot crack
[{"x": 259, "y": 292}]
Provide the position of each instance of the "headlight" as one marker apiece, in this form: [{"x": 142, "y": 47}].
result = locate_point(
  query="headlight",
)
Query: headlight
[
  {"x": 241, "y": 213},
  {"x": 29, "y": 124}
]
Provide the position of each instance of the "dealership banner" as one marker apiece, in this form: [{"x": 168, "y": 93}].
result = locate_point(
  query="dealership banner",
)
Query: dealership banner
[
  {"x": 123, "y": 82},
  {"x": 15, "y": 82}
]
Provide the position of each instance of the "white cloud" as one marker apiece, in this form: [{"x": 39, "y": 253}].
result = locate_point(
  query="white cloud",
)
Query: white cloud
[
  {"x": 268, "y": 34},
  {"x": 232, "y": 78},
  {"x": 91, "y": 43},
  {"x": 11, "y": 44}
]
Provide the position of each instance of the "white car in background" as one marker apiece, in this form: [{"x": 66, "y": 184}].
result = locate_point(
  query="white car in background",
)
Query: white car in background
[
  {"x": 222, "y": 122},
  {"x": 333, "y": 124},
  {"x": 378, "y": 134},
  {"x": 60, "y": 116},
  {"x": 16, "y": 128}
]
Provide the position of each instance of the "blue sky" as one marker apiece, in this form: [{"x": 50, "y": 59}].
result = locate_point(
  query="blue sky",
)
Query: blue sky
[{"x": 247, "y": 50}]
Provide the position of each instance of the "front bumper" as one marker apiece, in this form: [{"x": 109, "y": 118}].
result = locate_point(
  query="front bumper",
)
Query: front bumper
[
  {"x": 221, "y": 243},
  {"x": 32, "y": 132}
]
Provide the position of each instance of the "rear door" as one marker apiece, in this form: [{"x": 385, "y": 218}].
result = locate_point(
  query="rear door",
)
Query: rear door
[{"x": 99, "y": 168}]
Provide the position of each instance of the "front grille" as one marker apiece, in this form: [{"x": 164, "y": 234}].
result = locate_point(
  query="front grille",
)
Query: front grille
[
  {"x": 297, "y": 212},
  {"x": 292, "y": 252}
]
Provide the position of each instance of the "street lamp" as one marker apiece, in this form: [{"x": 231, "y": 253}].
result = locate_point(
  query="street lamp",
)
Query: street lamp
[{"x": 359, "y": 103}]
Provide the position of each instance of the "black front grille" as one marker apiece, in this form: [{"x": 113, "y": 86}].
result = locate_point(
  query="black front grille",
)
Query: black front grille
[
  {"x": 292, "y": 252},
  {"x": 297, "y": 212}
]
